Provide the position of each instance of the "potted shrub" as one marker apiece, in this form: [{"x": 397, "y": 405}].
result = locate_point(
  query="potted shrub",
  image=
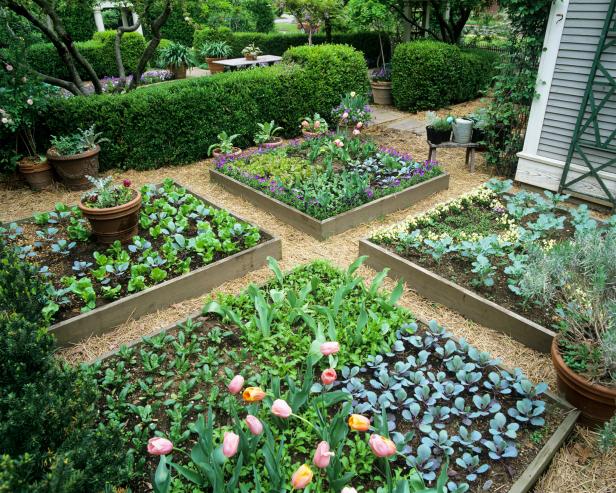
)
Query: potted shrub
[
  {"x": 113, "y": 210},
  {"x": 36, "y": 171},
  {"x": 76, "y": 155},
  {"x": 224, "y": 146},
  {"x": 438, "y": 129},
  {"x": 313, "y": 127},
  {"x": 214, "y": 51},
  {"x": 251, "y": 52},
  {"x": 265, "y": 135},
  {"x": 380, "y": 81},
  {"x": 177, "y": 58}
]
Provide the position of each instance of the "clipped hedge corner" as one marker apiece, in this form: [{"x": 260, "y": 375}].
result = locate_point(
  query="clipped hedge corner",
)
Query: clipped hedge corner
[{"x": 431, "y": 74}]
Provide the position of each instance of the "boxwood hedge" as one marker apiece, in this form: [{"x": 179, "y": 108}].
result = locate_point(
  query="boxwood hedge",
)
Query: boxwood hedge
[
  {"x": 430, "y": 74},
  {"x": 175, "y": 122}
]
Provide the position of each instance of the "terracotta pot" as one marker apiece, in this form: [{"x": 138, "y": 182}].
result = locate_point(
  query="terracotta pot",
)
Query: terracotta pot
[
  {"x": 381, "y": 92},
  {"x": 114, "y": 223},
  {"x": 38, "y": 175},
  {"x": 310, "y": 135},
  {"x": 236, "y": 152},
  {"x": 438, "y": 136},
  {"x": 597, "y": 402},
  {"x": 73, "y": 169},
  {"x": 213, "y": 67},
  {"x": 277, "y": 142},
  {"x": 178, "y": 72},
  {"x": 251, "y": 57}
]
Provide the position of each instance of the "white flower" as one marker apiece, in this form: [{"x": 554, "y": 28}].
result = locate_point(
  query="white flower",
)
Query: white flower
[
  {"x": 30, "y": 102},
  {"x": 5, "y": 120},
  {"x": 353, "y": 94},
  {"x": 9, "y": 68}
]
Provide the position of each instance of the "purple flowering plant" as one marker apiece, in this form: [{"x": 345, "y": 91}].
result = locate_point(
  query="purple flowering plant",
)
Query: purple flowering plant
[{"x": 353, "y": 111}]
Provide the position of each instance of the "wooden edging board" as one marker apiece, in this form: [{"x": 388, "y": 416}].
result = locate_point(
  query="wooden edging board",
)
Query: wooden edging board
[
  {"x": 322, "y": 230},
  {"x": 197, "y": 282},
  {"x": 462, "y": 300},
  {"x": 527, "y": 478}
]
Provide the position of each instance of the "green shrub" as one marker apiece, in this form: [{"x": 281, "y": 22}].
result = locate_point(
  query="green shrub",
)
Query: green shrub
[
  {"x": 177, "y": 29},
  {"x": 278, "y": 43},
  {"x": 176, "y": 122},
  {"x": 431, "y": 74},
  {"x": 77, "y": 18},
  {"x": 99, "y": 51}
]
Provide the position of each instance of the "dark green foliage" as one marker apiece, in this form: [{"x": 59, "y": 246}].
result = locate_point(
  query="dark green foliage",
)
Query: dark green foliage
[
  {"x": 177, "y": 29},
  {"x": 98, "y": 51},
  {"x": 77, "y": 18},
  {"x": 176, "y": 122},
  {"x": 277, "y": 43},
  {"x": 263, "y": 14},
  {"x": 431, "y": 74}
]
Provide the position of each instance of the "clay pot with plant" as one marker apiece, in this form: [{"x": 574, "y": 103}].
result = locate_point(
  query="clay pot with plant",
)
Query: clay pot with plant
[
  {"x": 313, "y": 127},
  {"x": 75, "y": 156},
  {"x": 224, "y": 146},
  {"x": 177, "y": 58},
  {"x": 113, "y": 210},
  {"x": 251, "y": 52},
  {"x": 214, "y": 51},
  {"x": 380, "y": 82},
  {"x": 266, "y": 137},
  {"x": 37, "y": 172},
  {"x": 438, "y": 129}
]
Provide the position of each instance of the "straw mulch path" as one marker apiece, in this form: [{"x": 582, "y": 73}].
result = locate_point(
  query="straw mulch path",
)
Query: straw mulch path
[{"x": 576, "y": 467}]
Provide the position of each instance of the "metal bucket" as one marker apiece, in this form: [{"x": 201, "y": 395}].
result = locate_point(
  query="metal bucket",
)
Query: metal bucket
[{"x": 462, "y": 130}]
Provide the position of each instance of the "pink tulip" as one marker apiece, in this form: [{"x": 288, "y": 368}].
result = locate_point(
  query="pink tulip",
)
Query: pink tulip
[
  {"x": 328, "y": 348},
  {"x": 236, "y": 384},
  {"x": 305, "y": 124},
  {"x": 159, "y": 446},
  {"x": 230, "y": 443},
  {"x": 348, "y": 489},
  {"x": 381, "y": 446},
  {"x": 356, "y": 132},
  {"x": 328, "y": 376},
  {"x": 359, "y": 124},
  {"x": 345, "y": 115},
  {"x": 302, "y": 477},
  {"x": 281, "y": 409},
  {"x": 317, "y": 124},
  {"x": 254, "y": 425},
  {"x": 339, "y": 143},
  {"x": 322, "y": 455}
]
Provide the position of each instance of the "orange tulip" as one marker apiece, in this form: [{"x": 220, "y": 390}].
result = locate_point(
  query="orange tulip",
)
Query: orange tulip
[
  {"x": 253, "y": 394},
  {"x": 302, "y": 477},
  {"x": 358, "y": 422}
]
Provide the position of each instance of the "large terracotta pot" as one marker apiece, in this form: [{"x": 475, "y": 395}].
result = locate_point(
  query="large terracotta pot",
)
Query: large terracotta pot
[
  {"x": 310, "y": 135},
  {"x": 38, "y": 175},
  {"x": 381, "y": 92},
  {"x": 277, "y": 142},
  {"x": 597, "y": 403},
  {"x": 114, "y": 223},
  {"x": 73, "y": 169},
  {"x": 217, "y": 153},
  {"x": 213, "y": 67},
  {"x": 179, "y": 72}
]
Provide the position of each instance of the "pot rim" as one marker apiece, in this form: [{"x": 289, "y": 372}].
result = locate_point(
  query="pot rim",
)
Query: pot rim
[
  {"x": 560, "y": 365},
  {"x": 277, "y": 140},
  {"x": 236, "y": 151},
  {"x": 383, "y": 83},
  {"x": 34, "y": 168},
  {"x": 94, "y": 211},
  {"x": 73, "y": 157}
]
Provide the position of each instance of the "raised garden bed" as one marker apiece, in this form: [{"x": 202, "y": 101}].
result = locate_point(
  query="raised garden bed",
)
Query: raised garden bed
[
  {"x": 323, "y": 189},
  {"x": 393, "y": 363},
  {"x": 186, "y": 247},
  {"x": 470, "y": 254}
]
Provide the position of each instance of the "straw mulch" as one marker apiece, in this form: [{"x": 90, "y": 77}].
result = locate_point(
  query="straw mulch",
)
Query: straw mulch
[{"x": 576, "y": 467}]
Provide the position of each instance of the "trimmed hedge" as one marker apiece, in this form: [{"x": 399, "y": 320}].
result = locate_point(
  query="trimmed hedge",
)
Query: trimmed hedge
[
  {"x": 175, "y": 122},
  {"x": 430, "y": 74},
  {"x": 277, "y": 44},
  {"x": 99, "y": 51}
]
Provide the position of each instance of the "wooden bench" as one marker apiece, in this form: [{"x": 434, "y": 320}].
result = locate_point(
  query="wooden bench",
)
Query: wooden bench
[{"x": 471, "y": 148}]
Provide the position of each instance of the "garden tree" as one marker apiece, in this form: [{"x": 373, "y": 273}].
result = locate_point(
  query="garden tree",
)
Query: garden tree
[
  {"x": 313, "y": 13},
  {"x": 450, "y": 15},
  {"x": 45, "y": 17}
]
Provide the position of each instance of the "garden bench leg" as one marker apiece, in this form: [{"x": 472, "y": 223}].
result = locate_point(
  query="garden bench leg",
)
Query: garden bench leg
[
  {"x": 470, "y": 158},
  {"x": 432, "y": 154}
]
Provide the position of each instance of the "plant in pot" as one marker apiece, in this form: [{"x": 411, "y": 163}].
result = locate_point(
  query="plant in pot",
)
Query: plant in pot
[
  {"x": 479, "y": 119},
  {"x": 380, "y": 81},
  {"x": 313, "y": 127},
  {"x": 438, "y": 129},
  {"x": 224, "y": 146},
  {"x": 76, "y": 155},
  {"x": 214, "y": 51},
  {"x": 265, "y": 136},
  {"x": 23, "y": 97},
  {"x": 251, "y": 52},
  {"x": 578, "y": 276},
  {"x": 113, "y": 210},
  {"x": 177, "y": 58}
]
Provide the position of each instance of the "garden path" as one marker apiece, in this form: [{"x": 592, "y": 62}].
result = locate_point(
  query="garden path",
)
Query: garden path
[{"x": 576, "y": 467}]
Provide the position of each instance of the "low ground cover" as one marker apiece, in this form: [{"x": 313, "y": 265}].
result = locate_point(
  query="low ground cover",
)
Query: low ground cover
[
  {"x": 178, "y": 233},
  {"x": 439, "y": 400},
  {"x": 328, "y": 175}
]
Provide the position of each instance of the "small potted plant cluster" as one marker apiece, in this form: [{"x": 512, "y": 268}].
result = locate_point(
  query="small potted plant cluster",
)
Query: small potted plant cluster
[
  {"x": 313, "y": 127},
  {"x": 251, "y": 52},
  {"x": 438, "y": 129},
  {"x": 265, "y": 136},
  {"x": 36, "y": 171},
  {"x": 76, "y": 155},
  {"x": 177, "y": 58},
  {"x": 224, "y": 146},
  {"x": 381, "y": 85},
  {"x": 352, "y": 114},
  {"x": 113, "y": 210},
  {"x": 214, "y": 51}
]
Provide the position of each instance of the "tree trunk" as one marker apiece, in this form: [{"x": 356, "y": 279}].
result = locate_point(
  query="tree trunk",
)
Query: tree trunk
[
  {"x": 328, "y": 29},
  {"x": 118, "y": 49}
]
